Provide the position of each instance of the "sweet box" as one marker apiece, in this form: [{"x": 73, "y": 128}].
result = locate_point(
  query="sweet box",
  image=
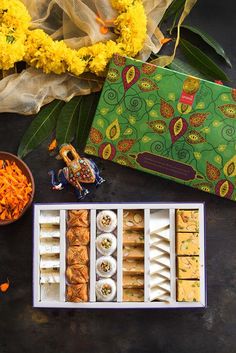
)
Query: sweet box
[
  {"x": 166, "y": 123},
  {"x": 99, "y": 255}
]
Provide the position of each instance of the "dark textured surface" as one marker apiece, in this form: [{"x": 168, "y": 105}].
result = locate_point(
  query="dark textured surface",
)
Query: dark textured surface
[{"x": 28, "y": 330}]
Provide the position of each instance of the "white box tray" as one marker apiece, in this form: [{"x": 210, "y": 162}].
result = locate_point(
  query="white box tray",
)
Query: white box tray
[{"x": 54, "y": 216}]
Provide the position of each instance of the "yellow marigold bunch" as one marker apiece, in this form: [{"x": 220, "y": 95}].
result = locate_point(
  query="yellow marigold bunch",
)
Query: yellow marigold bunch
[
  {"x": 121, "y": 5},
  {"x": 100, "y": 54},
  {"x": 10, "y": 52},
  {"x": 14, "y": 14},
  {"x": 14, "y": 21},
  {"x": 38, "y": 49},
  {"x": 43, "y": 52},
  {"x": 132, "y": 28}
]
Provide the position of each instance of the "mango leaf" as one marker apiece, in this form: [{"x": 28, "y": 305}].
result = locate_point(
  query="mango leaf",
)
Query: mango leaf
[
  {"x": 40, "y": 128},
  {"x": 210, "y": 41},
  {"x": 66, "y": 122},
  {"x": 175, "y": 6},
  {"x": 202, "y": 62},
  {"x": 181, "y": 66},
  {"x": 87, "y": 110}
]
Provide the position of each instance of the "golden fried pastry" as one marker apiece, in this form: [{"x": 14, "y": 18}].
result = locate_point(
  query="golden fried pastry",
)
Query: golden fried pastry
[
  {"x": 77, "y": 293},
  {"x": 77, "y": 274},
  {"x": 79, "y": 218},
  {"x": 133, "y": 219},
  {"x": 78, "y": 236},
  {"x": 77, "y": 255}
]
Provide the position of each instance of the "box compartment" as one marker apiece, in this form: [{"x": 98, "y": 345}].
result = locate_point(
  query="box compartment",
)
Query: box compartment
[{"x": 150, "y": 243}]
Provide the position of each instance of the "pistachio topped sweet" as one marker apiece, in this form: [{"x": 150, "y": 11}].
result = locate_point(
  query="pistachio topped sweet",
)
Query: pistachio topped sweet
[
  {"x": 106, "y": 221},
  {"x": 106, "y": 243},
  {"x": 105, "y": 289},
  {"x": 106, "y": 266}
]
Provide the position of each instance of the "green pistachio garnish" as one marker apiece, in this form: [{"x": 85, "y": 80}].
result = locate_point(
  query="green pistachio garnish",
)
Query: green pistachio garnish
[
  {"x": 106, "y": 243},
  {"x": 106, "y": 289},
  {"x": 105, "y": 266}
]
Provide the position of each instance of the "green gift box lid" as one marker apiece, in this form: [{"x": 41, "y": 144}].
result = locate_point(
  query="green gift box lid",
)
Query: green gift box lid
[{"x": 167, "y": 123}]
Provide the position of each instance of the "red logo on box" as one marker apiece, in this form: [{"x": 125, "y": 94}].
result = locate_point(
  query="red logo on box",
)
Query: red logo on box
[{"x": 187, "y": 98}]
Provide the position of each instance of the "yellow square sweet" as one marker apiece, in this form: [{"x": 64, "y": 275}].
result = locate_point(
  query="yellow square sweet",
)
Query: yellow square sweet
[
  {"x": 187, "y": 244},
  {"x": 188, "y": 291},
  {"x": 188, "y": 267},
  {"x": 187, "y": 221}
]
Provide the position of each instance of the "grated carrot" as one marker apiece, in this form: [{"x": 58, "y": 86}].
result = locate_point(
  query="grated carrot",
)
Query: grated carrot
[{"x": 15, "y": 190}]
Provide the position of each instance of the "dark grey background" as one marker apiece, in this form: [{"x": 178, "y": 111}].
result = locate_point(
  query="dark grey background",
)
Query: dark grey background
[{"x": 28, "y": 330}]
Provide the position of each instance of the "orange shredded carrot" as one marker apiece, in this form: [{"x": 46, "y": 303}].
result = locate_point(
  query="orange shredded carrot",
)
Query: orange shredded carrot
[
  {"x": 52, "y": 145},
  {"x": 165, "y": 40},
  {"x": 15, "y": 190},
  {"x": 4, "y": 286}
]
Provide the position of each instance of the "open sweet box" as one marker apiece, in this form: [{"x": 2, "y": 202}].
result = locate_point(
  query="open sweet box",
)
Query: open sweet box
[{"x": 102, "y": 255}]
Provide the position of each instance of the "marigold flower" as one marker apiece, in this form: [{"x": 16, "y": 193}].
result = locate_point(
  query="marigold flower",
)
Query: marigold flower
[{"x": 38, "y": 49}]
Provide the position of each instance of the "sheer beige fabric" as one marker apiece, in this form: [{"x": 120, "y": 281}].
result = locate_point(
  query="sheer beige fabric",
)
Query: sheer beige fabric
[{"x": 75, "y": 22}]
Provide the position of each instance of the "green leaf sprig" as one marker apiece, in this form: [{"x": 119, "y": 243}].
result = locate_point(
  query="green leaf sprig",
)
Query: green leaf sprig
[
  {"x": 41, "y": 127},
  {"x": 70, "y": 121}
]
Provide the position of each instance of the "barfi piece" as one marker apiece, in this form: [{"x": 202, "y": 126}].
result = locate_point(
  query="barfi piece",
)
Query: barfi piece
[
  {"x": 49, "y": 246},
  {"x": 187, "y": 221},
  {"x": 133, "y": 295},
  {"x": 49, "y": 275},
  {"x": 49, "y": 231},
  {"x": 78, "y": 218},
  {"x": 44, "y": 219},
  {"x": 78, "y": 236},
  {"x": 133, "y": 252},
  {"x": 188, "y": 267},
  {"x": 133, "y": 266},
  {"x": 77, "y": 274},
  {"x": 77, "y": 293},
  {"x": 187, "y": 244},
  {"x": 133, "y": 237},
  {"x": 133, "y": 281},
  {"x": 188, "y": 291},
  {"x": 50, "y": 261},
  {"x": 77, "y": 255},
  {"x": 50, "y": 291},
  {"x": 133, "y": 219}
]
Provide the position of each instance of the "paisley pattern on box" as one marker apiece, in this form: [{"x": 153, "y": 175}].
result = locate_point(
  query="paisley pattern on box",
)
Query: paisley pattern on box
[{"x": 169, "y": 124}]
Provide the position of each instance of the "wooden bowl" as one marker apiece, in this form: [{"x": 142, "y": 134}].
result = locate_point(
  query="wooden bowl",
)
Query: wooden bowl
[{"x": 26, "y": 171}]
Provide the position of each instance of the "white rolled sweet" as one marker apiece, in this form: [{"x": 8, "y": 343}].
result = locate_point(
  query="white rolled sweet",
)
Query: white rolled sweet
[
  {"x": 106, "y": 266},
  {"x": 106, "y": 221},
  {"x": 106, "y": 243},
  {"x": 105, "y": 290}
]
